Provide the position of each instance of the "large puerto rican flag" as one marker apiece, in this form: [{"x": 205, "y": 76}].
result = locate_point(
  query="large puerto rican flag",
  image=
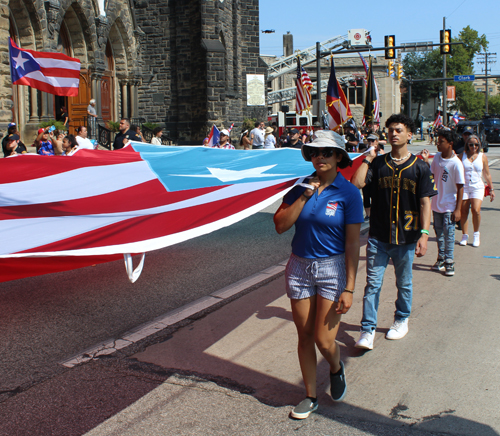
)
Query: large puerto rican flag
[
  {"x": 54, "y": 73},
  {"x": 60, "y": 213}
]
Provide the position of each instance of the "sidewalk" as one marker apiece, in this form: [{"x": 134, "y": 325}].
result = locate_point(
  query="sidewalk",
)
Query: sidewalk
[{"x": 237, "y": 370}]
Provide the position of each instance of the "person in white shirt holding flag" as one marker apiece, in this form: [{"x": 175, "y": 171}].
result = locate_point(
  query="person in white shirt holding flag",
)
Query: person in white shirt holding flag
[{"x": 81, "y": 138}]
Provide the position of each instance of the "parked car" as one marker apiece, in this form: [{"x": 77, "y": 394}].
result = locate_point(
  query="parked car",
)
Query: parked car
[
  {"x": 479, "y": 130},
  {"x": 492, "y": 129}
]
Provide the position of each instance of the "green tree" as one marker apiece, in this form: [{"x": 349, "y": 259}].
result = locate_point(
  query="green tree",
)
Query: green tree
[
  {"x": 470, "y": 102},
  {"x": 460, "y": 61},
  {"x": 419, "y": 65},
  {"x": 494, "y": 105},
  {"x": 462, "y": 56}
]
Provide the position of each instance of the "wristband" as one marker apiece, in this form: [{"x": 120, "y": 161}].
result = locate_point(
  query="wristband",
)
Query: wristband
[
  {"x": 306, "y": 196},
  {"x": 425, "y": 231},
  {"x": 367, "y": 162},
  {"x": 347, "y": 290}
]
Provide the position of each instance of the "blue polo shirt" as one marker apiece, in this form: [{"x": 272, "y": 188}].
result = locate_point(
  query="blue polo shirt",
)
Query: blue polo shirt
[{"x": 320, "y": 227}]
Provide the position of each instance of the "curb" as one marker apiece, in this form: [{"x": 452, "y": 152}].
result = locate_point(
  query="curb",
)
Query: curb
[{"x": 182, "y": 313}]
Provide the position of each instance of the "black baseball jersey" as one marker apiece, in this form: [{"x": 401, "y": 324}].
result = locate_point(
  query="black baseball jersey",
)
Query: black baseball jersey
[{"x": 396, "y": 192}]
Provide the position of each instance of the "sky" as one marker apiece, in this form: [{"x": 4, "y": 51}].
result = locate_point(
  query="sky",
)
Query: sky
[{"x": 418, "y": 21}]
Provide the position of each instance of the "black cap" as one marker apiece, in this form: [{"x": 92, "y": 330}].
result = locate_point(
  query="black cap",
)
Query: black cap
[
  {"x": 294, "y": 131},
  {"x": 13, "y": 137}
]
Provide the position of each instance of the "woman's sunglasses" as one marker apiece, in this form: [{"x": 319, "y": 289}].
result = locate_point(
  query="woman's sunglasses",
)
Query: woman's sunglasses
[
  {"x": 315, "y": 152},
  {"x": 473, "y": 143}
]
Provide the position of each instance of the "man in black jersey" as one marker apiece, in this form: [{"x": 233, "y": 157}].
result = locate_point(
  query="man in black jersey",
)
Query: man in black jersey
[{"x": 401, "y": 186}]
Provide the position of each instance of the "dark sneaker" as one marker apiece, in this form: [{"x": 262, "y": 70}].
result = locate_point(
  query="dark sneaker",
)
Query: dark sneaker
[
  {"x": 438, "y": 266},
  {"x": 304, "y": 409},
  {"x": 338, "y": 386},
  {"x": 449, "y": 269}
]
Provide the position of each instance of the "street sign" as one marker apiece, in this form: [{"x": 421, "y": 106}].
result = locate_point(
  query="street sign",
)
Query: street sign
[
  {"x": 466, "y": 78},
  {"x": 416, "y": 46}
]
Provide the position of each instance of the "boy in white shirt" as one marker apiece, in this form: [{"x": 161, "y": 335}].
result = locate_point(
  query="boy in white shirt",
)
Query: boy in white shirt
[{"x": 449, "y": 178}]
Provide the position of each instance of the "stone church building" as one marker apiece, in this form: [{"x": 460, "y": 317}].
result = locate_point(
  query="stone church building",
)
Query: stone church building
[{"x": 181, "y": 64}]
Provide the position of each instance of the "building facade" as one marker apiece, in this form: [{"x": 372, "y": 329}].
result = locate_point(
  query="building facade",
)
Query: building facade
[
  {"x": 182, "y": 65},
  {"x": 480, "y": 86}
]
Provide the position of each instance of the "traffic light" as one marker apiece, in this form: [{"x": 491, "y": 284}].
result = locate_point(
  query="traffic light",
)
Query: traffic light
[
  {"x": 445, "y": 38},
  {"x": 400, "y": 72},
  {"x": 390, "y": 68},
  {"x": 390, "y": 41}
]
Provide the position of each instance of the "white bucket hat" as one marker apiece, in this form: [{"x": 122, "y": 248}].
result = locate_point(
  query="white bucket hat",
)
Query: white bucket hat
[{"x": 328, "y": 138}]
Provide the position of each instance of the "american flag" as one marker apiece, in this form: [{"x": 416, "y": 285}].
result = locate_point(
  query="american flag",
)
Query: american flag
[
  {"x": 304, "y": 86},
  {"x": 336, "y": 101},
  {"x": 377, "y": 96},
  {"x": 138, "y": 199},
  {"x": 54, "y": 73}
]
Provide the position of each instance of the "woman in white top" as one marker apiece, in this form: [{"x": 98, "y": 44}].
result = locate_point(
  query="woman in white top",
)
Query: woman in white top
[
  {"x": 475, "y": 165},
  {"x": 269, "y": 139},
  {"x": 156, "y": 139}
]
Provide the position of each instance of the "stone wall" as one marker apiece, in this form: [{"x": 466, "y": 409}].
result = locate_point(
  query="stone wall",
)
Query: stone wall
[
  {"x": 196, "y": 56},
  {"x": 182, "y": 64}
]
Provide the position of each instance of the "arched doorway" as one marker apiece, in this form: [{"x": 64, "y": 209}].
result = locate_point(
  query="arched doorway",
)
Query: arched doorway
[
  {"x": 71, "y": 42},
  {"x": 107, "y": 85}
]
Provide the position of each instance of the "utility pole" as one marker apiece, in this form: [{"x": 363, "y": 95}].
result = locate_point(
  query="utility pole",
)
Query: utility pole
[
  {"x": 445, "y": 94},
  {"x": 484, "y": 60}
]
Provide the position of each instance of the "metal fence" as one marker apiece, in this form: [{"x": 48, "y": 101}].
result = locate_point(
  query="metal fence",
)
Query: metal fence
[{"x": 104, "y": 137}]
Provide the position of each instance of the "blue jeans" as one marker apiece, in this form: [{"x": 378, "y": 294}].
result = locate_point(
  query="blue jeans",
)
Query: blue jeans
[
  {"x": 377, "y": 258},
  {"x": 445, "y": 234}
]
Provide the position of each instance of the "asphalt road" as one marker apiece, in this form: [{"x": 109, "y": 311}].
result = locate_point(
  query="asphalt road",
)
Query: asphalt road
[{"x": 49, "y": 318}]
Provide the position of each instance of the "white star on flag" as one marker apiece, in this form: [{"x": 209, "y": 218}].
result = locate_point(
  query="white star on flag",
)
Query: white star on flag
[
  {"x": 20, "y": 61},
  {"x": 232, "y": 175}
]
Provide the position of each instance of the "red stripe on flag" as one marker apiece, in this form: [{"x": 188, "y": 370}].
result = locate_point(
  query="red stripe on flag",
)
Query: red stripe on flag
[
  {"x": 45, "y": 87},
  {"x": 60, "y": 72},
  {"x": 123, "y": 200},
  {"x": 168, "y": 223},
  {"x": 24, "y": 168}
]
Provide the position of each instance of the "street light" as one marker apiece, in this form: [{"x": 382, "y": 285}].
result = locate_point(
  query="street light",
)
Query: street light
[
  {"x": 445, "y": 38},
  {"x": 400, "y": 71},
  {"x": 390, "y": 69},
  {"x": 390, "y": 42}
]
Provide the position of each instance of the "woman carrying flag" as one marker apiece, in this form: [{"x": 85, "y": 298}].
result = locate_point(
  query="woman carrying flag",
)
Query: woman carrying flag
[{"x": 321, "y": 272}]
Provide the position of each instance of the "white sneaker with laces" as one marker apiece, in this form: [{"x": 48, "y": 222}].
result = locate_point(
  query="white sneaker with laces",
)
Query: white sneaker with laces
[
  {"x": 398, "y": 330},
  {"x": 365, "y": 340},
  {"x": 475, "y": 242},
  {"x": 465, "y": 239}
]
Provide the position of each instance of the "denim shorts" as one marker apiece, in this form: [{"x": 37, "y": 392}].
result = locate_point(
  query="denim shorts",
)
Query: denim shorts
[{"x": 324, "y": 276}]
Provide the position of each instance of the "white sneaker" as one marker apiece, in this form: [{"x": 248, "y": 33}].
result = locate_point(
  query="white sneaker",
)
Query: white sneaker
[
  {"x": 398, "y": 330},
  {"x": 365, "y": 340},
  {"x": 475, "y": 242},
  {"x": 465, "y": 239}
]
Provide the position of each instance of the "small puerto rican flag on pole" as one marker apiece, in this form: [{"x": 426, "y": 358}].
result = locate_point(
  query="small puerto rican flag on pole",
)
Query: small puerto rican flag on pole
[
  {"x": 457, "y": 117},
  {"x": 214, "y": 137},
  {"x": 54, "y": 73}
]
